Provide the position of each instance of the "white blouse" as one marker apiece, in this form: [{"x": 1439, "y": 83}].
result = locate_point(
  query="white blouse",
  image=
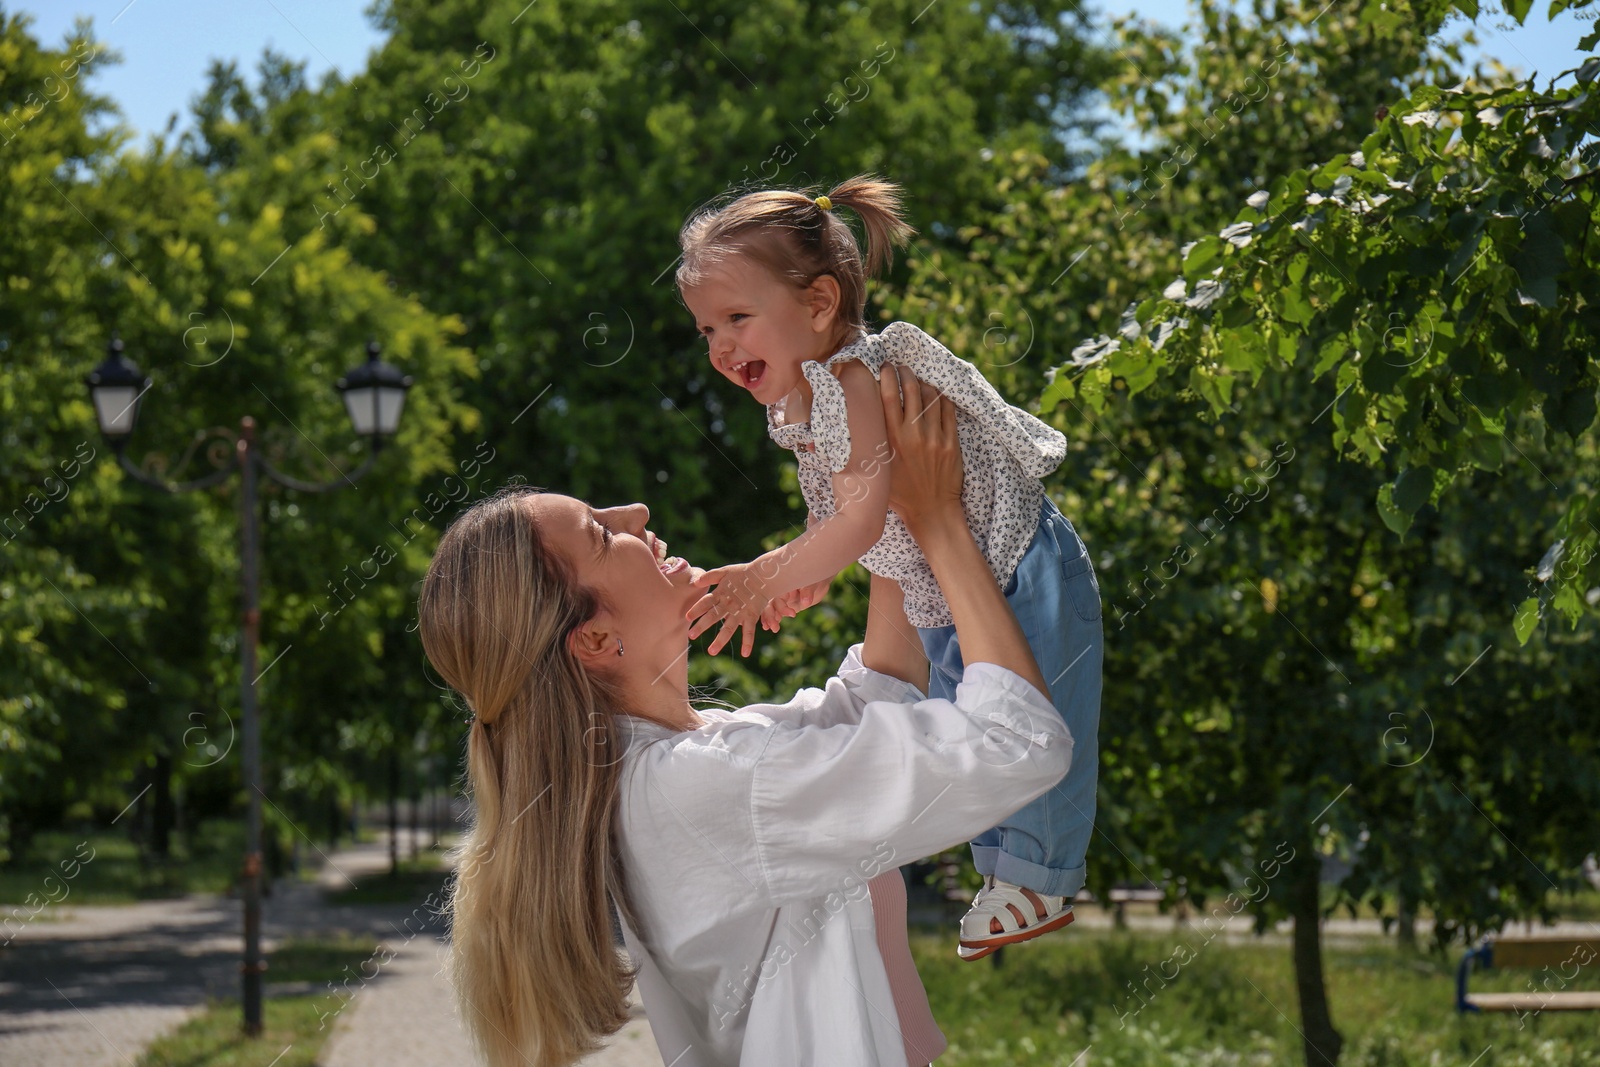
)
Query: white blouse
[
  {"x": 1004, "y": 453},
  {"x": 747, "y": 845}
]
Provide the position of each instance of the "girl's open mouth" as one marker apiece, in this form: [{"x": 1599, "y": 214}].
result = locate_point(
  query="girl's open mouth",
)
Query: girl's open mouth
[{"x": 750, "y": 372}]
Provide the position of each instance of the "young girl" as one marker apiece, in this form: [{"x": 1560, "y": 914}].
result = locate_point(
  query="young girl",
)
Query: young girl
[{"x": 776, "y": 284}]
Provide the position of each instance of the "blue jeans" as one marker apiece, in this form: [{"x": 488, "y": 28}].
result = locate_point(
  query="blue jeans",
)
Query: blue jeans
[{"x": 1057, "y": 601}]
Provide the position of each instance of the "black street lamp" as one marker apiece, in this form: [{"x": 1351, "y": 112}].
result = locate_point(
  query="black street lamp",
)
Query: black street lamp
[
  {"x": 374, "y": 393},
  {"x": 116, "y": 386}
]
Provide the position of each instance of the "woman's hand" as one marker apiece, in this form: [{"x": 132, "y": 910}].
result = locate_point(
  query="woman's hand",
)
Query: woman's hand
[{"x": 926, "y": 477}]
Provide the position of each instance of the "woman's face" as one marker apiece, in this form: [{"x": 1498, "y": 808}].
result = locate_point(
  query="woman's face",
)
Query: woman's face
[{"x": 646, "y": 593}]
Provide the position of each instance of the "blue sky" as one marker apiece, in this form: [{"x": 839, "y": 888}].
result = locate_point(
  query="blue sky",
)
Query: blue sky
[{"x": 167, "y": 44}]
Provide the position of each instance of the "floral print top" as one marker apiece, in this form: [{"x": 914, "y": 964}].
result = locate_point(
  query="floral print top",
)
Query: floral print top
[{"x": 1004, "y": 450}]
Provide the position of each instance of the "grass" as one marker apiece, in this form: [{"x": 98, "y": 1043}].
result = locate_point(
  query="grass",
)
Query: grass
[
  {"x": 105, "y": 867},
  {"x": 321, "y": 960},
  {"x": 1228, "y": 1004},
  {"x": 411, "y": 884},
  {"x": 294, "y": 1028}
]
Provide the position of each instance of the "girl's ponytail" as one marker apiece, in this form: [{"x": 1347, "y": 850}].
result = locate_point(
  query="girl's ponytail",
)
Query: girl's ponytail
[
  {"x": 877, "y": 202},
  {"x": 796, "y": 239}
]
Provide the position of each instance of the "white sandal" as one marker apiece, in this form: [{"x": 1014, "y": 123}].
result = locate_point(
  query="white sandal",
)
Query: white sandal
[{"x": 1008, "y": 906}]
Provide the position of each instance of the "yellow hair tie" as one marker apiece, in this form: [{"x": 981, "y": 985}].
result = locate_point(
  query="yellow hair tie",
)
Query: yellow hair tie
[{"x": 824, "y": 203}]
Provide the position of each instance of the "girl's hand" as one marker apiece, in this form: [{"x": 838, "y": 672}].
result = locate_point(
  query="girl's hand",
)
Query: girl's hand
[
  {"x": 738, "y": 601},
  {"x": 793, "y": 603}
]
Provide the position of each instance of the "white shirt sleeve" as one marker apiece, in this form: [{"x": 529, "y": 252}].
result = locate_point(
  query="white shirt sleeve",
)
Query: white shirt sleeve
[
  {"x": 894, "y": 776},
  {"x": 851, "y": 689}
]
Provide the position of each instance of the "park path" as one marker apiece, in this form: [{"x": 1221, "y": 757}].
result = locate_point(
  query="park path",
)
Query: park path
[
  {"x": 409, "y": 1019},
  {"x": 407, "y": 1016},
  {"x": 94, "y": 985}
]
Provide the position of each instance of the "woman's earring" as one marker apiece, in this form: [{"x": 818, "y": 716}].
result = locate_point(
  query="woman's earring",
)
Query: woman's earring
[{"x": 619, "y": 646}]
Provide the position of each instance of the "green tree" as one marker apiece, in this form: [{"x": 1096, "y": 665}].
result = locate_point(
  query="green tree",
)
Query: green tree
[
  {"x": 121, "y": 603},
  {"x": 1269, "y": 660}
]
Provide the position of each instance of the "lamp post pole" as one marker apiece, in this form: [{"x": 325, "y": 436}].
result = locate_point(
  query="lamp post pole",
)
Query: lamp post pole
[
  {"x": 250, "y": 755},
  {"x": 374, "y": 394}
]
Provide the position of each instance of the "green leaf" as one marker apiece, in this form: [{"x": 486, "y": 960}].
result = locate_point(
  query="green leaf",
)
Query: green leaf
[
  {"x": 1293, "y": 307},
  {"x": 1539, "y": 259},
  {"x": 1205, "y": 252},
  {"x": 1413, "y": 488},
  {"x": 1381, "y": 370},
  {"x": 1137, "y": 369},
  {"x": 1463, "y": 257},
  {"x": 1571, "y": 412},
  {"x": 1331, "y": 352},
  {"x": 1487, "y": 389},
  {"x": 1236, "y": 313},
  {"x": 1487, "y": 453},
  {"x": 1243, "y": 353},
  {"x": 1569, "y": 602},
  {"x": 1526, "y": 619},
  {"x": 1216, "y": 389},
  {"x": 1060, "y": 388},
  {"x": 1397, "y": 520}
]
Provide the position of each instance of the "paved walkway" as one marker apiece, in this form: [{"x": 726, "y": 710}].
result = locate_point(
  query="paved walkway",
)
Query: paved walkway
[
  {"x": 407, "y": 1018},
  {"x": 93, "y": 986}
]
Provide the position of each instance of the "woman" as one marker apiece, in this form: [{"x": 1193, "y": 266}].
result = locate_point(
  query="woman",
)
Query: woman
[{"x": 735, "y": 845}]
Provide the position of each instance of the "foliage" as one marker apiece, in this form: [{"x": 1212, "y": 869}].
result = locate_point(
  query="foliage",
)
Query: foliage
[
  {"x": 1441, "y": 276},
  {"x": 119, "y": 603},
  {"x": 1281, "y": 672}
]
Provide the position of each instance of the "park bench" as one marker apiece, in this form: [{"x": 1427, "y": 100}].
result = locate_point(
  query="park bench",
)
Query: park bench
[
  {"x": 1530, "y": 952},
  {"x": 1120, "y": 897}
]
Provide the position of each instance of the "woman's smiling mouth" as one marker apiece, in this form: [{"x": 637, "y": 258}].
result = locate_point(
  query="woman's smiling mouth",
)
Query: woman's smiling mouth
[{"x": 668, "y": 565}]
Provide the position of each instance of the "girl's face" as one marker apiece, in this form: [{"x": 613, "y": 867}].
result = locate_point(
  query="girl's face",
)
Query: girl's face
[{"x": 760, "y": 329}]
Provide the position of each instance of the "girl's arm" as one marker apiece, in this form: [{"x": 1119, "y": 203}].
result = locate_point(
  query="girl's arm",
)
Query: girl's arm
[
  {"x": 861, "y": 500},
  {"x": 860, "y": 495},
  {"x": 892, "y": 645}
]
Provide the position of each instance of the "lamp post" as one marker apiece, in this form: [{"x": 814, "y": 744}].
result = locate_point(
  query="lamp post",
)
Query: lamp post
[{"x": 374, "y": 394}]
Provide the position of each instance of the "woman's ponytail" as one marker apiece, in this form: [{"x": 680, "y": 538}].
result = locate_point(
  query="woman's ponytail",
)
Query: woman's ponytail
[{"x": 537, "y": 978}]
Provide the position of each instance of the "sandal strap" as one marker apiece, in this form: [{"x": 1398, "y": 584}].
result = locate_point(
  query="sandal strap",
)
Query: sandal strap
[{"x": 1010, "y": 904}]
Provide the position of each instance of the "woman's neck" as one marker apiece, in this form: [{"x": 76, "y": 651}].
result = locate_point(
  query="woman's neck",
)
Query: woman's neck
[
  {"x": 663, "y": 700},
  {"x": 680, "y": 718}
]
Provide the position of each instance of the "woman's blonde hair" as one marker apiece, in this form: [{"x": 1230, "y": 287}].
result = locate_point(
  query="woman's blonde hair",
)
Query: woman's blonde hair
[
  {"x": 798, "y": 241},
  {"x": 537, "y": 977}
]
